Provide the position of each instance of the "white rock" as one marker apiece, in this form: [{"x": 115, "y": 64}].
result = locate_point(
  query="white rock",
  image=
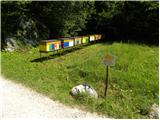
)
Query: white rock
[
  {"x": 11, "y": 44},
  {"x": 83, "y": 88},
  {"x": 154, "y": 111}
]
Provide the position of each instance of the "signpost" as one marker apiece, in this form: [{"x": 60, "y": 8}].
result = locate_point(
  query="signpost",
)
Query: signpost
[{"x": 108, "y": 60}]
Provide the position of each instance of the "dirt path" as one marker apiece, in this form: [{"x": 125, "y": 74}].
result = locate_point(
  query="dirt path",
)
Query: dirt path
[{"x": 18, "y": 101}]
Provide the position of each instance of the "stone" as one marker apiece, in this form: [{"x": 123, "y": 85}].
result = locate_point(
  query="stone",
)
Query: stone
[
  {"x": 154, "y": 112},
  {"x": 84, "y": 88},
  {"x": 11, "y": 44}
]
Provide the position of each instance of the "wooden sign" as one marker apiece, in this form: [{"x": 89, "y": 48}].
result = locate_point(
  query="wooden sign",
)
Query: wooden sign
[{"x": 108, "y": 60}]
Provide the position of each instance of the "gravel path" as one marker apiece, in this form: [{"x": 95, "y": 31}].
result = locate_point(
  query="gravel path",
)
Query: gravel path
[{"x": 18, "y": 101}]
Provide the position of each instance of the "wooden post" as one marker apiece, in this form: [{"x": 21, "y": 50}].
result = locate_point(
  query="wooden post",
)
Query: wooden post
[
  {"x": 40, "y": 54},
  {"x": 47, "y": 55},
  {"x": 107, "y": 67},
  {"x": 108, "y": 60}
]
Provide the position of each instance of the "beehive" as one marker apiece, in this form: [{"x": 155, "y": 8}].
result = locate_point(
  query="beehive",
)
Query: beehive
[
  {"x": 49, "y": 45},
  {"x": 92, "y": 38},
  {"x": 98, "y": 36},
  {"x": 85, "y": 39},
  {"x": 77, "y": 40},
  {"x": 67, "y": 42}
]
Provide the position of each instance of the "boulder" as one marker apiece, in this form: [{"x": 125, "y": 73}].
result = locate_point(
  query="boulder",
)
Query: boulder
[
  {"x": 11, "y": 44},
  {"x": 83, "y": 88}
]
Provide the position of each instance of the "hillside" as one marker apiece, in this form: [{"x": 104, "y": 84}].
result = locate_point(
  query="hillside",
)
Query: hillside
[{"x": 133, "y": 85}]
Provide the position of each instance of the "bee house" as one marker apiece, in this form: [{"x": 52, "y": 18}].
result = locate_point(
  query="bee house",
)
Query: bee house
[
  {"x": 49, "y": 45},
  {"x": 77, "y": 40},
  {"x": 67, "y": 42},
  {"x": 98, "y": 36},
  {"x": 85, "y": 39},
  {"x": 92, "y": 38}
]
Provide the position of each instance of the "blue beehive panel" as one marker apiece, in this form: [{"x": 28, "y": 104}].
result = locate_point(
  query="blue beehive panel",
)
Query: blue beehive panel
[
  {"x": 52, "y": 46},
  {"x": 66, "y": 44}
]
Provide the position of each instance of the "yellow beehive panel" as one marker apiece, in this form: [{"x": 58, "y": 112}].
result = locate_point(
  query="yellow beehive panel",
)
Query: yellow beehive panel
[
  {"x": 68, "y": 40},
  {"x": 43, "y": 47},
  {"x": 47, "y": 47},
  {"x": 77, "y": 38},
  {"x": 84, "y": 40}
]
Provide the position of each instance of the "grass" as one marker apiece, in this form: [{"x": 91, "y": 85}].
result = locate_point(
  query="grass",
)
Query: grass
[{"x": 133, "y": 85}]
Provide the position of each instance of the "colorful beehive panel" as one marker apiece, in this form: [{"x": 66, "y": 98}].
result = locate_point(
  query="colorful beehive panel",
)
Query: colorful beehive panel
[
  {"x": 77, "y": 40},
  {"x": 85, "y": 39},
  {"x": 98, "y": 36},
  {"x": 92, "y": 38},
  {"x": 49, "y": 45},
  {"x": 67, "y": 42}
]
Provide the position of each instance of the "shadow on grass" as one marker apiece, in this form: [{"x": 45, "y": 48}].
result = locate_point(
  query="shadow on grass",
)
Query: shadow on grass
[{"x": 59, "y": 53}]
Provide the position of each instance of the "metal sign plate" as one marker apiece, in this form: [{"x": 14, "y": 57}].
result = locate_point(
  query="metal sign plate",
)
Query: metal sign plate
[{"x": 108, "y": 60}]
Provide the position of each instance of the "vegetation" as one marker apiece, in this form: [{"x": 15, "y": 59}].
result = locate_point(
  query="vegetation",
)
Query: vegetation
[
  {"x": 133, "y": 86},
  {"x": 135, "y": 21}
]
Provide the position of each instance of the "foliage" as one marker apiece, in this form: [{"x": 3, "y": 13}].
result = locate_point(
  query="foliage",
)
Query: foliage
[
  {"x": 56, "y": 18},
  {"x": 18, "y": 22},
  {"x": 128, "y": 20},
  {"x": 133, "y": 85},
  {"x": 63, "y": 18},
  {"x": 136, "y": 20}
]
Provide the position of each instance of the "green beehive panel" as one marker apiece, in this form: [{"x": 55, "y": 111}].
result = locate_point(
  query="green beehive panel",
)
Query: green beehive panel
[{"x": 87, "y": 39}]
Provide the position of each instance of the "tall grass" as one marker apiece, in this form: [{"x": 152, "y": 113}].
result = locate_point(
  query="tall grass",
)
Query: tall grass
[{"x": 133, "y": 85}]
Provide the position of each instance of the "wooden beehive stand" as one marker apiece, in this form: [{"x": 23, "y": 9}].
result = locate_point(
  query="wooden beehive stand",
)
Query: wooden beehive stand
[{"x": 47, "y": 46}]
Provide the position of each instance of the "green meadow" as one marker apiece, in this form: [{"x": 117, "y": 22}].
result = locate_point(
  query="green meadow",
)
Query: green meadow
[{"x": 133, "y": 80}]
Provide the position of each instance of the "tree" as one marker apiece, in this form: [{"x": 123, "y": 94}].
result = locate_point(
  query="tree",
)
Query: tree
[
  {"x": 124, "y": 20},
  {"x": 63, "y": 18},
  {"x": 127, "y": 20}
]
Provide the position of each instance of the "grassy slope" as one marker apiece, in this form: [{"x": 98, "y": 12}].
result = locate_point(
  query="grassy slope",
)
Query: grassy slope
[{"x": 133, "y": 80}]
